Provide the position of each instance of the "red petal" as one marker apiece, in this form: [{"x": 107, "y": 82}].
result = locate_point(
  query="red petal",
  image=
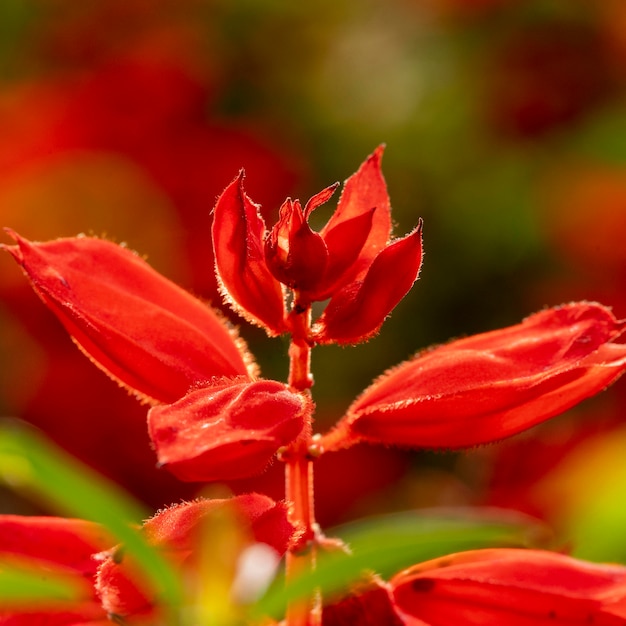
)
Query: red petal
[
  {"x": 246, "y": 281},
  {"x": 177, "y": 530},
  {"x": 358, "y": 311},
  {"x": 492, "y": 385},
  {"x": 228, "y": 430},
  {"x": 512, "y": 587},
  {"x": 143, "y": 330},
  {"x": 363, "y": 191}
]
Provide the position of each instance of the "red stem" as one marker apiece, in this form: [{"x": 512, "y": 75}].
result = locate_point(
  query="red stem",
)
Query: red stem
[{"x": 299, "y": 477}]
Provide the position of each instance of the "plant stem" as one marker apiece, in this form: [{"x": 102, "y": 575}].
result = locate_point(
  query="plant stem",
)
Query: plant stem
[{"x": 299, "y": 477}]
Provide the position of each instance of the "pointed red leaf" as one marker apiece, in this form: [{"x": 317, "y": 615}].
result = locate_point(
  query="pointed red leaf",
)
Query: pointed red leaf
[
  {"x": 357, "y": 312},
  {"x": 492, "y": 385},
  {"x": 143, "y": 330},
  {"x": 228, "y": 430},
  {"x": 344, "y": 243},
  {"x": 512, "y": 587},
  {"x": 238, "y": 243},
  {"x": 178, "y": 531},
  {"x": 363, "y": 191}
]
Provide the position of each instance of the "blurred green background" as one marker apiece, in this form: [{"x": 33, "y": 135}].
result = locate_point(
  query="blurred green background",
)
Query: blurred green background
[{"x": 505, "y": 128}]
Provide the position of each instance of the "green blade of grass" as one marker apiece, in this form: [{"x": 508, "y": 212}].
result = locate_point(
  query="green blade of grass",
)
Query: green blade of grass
[
  {"x": 389, "y": 544},
  {"x": 39, "y": 469},
  {"x": 28, "y": 584}
]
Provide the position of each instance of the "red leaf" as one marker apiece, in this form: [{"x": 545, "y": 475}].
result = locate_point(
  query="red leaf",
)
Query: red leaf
[
  {"x": 512, "y": 587},
  {"x": 246, "y": 281},
  {"x": 357, "y": 312},
  {"x": 228, "y": 430},
  {"x": 492, "y": 385},
  {"x": 363, "y": 191},
  {"x": 143, "y": 330},
  {"x": 366, "y": 605},
  {"x": 178, "y": 531}
]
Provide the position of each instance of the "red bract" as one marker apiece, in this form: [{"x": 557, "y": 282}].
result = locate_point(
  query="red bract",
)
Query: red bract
[
  {"x": 512, "y": 587},
  {"x": 179, "y": 531},
  {"x": 348, "y": 261},
  {"x": 490, "y": 386},
  {"x": 229, "y": 430},
  {"x": 143, "y": 330}
]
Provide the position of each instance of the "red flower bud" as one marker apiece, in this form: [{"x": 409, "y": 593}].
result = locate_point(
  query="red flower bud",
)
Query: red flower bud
[
  {"x": 490, "y": 386},
  {"x": 512, "y": 587},
  {"x": 178, "y": 531},
  {"x": 143, "y": 330},
  {"x": 238, "y": 243},
  {"x": 295, "y": 254},
  {"x": 229, "y": 430}
]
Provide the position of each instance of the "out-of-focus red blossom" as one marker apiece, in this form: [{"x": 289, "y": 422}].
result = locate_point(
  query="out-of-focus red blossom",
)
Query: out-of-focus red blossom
[
  {"x": 55, "y": 545},
  {"x": 513, "y": 587},
  {"x": 547, "y": 76},
  {"x": 348, "y": 261},
  {"x": 174, "y": 342},
  {"x": 593, "y": 246},
  {"x": 179, "y": 531},
  {"x": 490, "y": 386},
  {"x": 228, "y": 430},
  {"x": 368, "y": 604}
]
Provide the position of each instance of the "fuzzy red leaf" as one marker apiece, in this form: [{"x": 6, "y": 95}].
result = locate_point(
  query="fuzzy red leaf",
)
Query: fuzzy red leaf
[
  {"x": 228, "y": 430},
  {"x": 491, "y": 385},
  {"x": 363, "y": 191},
  {"x": 238, "y": 242},
  {"x": 143, "y": 330},
  {"x": 357, "y": 312},
  {"x": 177, "y": 531},
  {"x": 368, "y": 604},
  {"x": 513, "y": 587}
]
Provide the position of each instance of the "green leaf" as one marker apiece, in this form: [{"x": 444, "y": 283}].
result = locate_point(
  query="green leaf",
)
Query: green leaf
[
  {"x": 30, "y": 584},
  {"x": 386, "y": 545},
  {"x": 39, "y": 469}
]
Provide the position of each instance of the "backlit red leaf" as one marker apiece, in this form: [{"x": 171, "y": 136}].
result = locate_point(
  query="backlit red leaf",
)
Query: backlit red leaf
[
  {"x": 492, "y": 385},
  {"x": 142, "y": 329},
  {"x": 238, "y": 243},
  {"x": 357, "y": 312},
  {"x": 513, "y": 587},
  {"x": 363, "y": 191}
]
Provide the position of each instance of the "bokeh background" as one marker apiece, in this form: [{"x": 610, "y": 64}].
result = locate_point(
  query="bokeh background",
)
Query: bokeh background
[{"x": 505, "y": 127}]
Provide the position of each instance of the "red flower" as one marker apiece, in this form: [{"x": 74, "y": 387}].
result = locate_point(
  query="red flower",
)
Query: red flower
[
  {"x": 348, "y": 261},
  {"x": 492, "y": 385},
  {"x": 178, "y": 532},
  {"x": 512, "y": 587}
]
